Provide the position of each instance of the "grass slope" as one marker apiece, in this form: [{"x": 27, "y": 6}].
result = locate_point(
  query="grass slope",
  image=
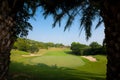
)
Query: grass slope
[
  {"x": 58, "y": 58},
  {"x": 55, "y": 64}
]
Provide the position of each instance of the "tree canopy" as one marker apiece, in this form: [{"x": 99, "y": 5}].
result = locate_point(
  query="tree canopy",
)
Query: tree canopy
[
  {"x": 70, "y": 9},
  {"x": 93, "y": 49},
  {"x": 19, "y": 11},
  {"x": 34, "y": 46},
  {"x": 94, "y": 45},
  {"x": 23, "y": 10}
]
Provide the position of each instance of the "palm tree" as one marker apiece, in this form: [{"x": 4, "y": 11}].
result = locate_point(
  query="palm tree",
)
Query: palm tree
[
  {"x": 14, "y": 16},
  {"x": 106, "y": 11}
]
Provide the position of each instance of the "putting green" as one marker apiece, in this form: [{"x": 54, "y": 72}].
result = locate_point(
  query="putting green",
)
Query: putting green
[{"x": 59, "y": 61}]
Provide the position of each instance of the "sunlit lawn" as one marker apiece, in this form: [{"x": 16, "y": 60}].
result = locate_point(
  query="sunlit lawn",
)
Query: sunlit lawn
[{"x": 55, "y": 64}]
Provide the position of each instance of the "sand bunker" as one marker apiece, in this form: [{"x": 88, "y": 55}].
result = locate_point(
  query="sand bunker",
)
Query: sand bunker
[
  {"x": 90, "y": 58},
  {"x": 31, "y": 55}
]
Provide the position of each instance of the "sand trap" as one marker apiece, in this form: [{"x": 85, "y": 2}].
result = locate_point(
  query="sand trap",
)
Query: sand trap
[
  {"x": 90, "y": 58},
  {"x": 31, "y": 55}
]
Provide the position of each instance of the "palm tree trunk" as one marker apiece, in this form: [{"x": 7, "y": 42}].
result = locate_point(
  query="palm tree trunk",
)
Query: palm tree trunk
[
  {"x": 4, "y": 65},
  {"x": 7, "y": 38},
  {"x": 111, "y": 16},
  {"x": 6, "y": 41}
]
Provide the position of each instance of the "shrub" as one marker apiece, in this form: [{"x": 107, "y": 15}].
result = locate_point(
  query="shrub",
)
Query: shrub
[
  {"x": 25, "y": 45},
  {"x": 78, "y": 48},
  {"x": 94, "y": 45},
  {"x": 33, "y": 48},
  {"x": 90, "y": 51},
  {"x": 93, "y": 49}
]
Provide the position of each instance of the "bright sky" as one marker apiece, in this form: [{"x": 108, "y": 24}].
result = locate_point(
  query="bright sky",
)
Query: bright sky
[{"x": 43, "y": 32}]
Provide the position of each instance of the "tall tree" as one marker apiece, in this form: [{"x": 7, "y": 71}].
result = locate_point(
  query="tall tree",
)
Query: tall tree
[
  {"x": 14, "y": 16},
  {"x": 107, "y": 11},
  {"x": 94, "y": 45}
]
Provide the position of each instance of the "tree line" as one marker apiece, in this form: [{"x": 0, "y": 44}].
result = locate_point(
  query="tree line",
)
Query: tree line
[
  {"x": 32, "y": 46},
  {"x": 92, "y": 49}
]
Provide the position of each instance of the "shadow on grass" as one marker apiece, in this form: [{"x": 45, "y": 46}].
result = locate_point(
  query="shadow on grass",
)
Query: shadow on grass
[
  {"x": 20, "y": 71},
  {"x": 69, "y": 52}
]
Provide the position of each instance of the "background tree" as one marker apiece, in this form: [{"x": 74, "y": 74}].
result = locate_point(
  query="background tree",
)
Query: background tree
[
  {"x": 26, "y": 45},
  {"x": 50, "y": 44},
  {"x": 59, "y": 45},
  {"x": 78, "y": 48},
  {"x": 94, "y": 45},
  {"x": 32, "y": 46},
  {"x": 94, "y": 49},
  {"x": 21, "y": 44},
  {"x": 75, "y": 47}
]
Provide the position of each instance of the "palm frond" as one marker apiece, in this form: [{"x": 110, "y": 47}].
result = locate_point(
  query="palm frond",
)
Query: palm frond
[
  {"x": 69, "y": 9},
  {"x": 23, "y": 10},
  {"x": 88, "y": 16},
  {"x": 57, "y": 19},
  {"x": 60, "y": 10},
  {"x": 99, "y": 23}
]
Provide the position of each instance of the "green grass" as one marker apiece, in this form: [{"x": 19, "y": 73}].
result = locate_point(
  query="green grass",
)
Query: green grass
[
  {"x": 98, "y": 67},
  {"x": 55, "y": 64},
  {"x": 60, "y": 61}
]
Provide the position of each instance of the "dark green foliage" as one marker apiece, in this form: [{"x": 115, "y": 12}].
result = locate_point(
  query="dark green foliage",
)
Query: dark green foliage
[
  {"x": 50, "y": 44},
  {"x": 42, "y": 45},
  {"x": 94, "y": 45},
  {"x": 93, "y": 49},
  {"x": 23, "y": 11},
  {"x": 90, "y": 51},
  {"x": 26, "y": 45},
  {"x": 33, "y": 46},
  {"x": 78, "y": 48},
  {"x": 21, "y": 44},
  {"x": 75, "y": 48},
  {"x": 59, "y": 45}
]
